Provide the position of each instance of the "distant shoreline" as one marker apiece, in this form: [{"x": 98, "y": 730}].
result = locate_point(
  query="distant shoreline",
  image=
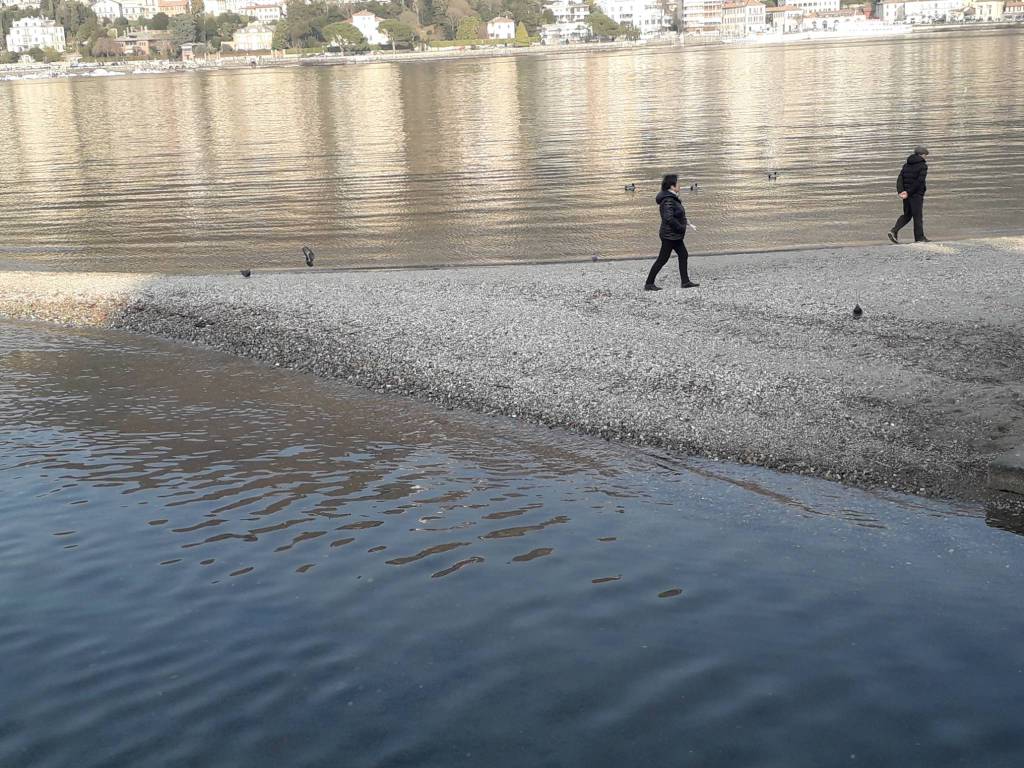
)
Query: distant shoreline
[
  {"x": 60, "y": 70},
  {"x": 763, "y": 364}
]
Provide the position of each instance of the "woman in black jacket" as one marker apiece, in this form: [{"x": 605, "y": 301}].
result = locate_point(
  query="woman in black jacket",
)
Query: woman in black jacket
[{"x": 672, "y": 232}]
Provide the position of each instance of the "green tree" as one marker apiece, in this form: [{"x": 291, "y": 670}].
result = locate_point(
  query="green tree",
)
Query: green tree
[
  {"x": 469, "y": 28},
  {"x": 344, "y": 34},
  {"x": 121, "y": 24},
  {"x": 522, "y": 36},
  {"x": 398, "y": 31},
  {"x": 36, "y": 53},
  {"x": 603, "y": 26},
  {"x": 183, "y": 29},
  {"x": 529, "y": 12},
  {"x": 160, "y": 21},
  {"x": 71, "y": 15},
  {"x": 282, "y": 36}
]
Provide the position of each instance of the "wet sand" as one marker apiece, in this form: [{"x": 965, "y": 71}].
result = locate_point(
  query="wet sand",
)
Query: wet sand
[{"x": 764, "y": 363}]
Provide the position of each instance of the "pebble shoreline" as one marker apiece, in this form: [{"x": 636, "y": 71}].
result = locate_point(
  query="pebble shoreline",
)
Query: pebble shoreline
[{"x": 763, "y": 363}]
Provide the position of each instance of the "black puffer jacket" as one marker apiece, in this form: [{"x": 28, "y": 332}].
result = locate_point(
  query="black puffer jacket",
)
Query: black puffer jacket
[
  {"x": 673, "y": 216},
  {"x": 912, "y": 176}
]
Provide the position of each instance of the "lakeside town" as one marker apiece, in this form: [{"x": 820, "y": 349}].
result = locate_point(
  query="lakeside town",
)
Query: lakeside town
[{"x": 52, "y": 37}]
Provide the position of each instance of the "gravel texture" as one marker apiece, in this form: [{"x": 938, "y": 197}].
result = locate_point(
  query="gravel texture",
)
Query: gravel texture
[{"x": 764, "y": 363}]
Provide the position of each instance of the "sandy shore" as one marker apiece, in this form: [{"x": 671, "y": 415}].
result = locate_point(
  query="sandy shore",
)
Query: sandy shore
[{"x": 764, "y": 363}]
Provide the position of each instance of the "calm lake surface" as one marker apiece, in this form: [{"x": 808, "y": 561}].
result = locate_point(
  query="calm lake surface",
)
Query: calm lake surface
[
  {"x": 510, "y": 159},
  {"x": 205, "y": 562}
]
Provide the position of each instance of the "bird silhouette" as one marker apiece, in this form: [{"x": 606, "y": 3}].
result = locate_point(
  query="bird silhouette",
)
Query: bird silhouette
[
  {"x": 694, "y": 187},
  {"x": 630, "y": 187},
  {"x": 246, "y": 272},
  {"x": 773, "y": 175},
  {"x": 857, "y": 311},
  {"x": 308, "y": 253},
  {"x": 594, "y": 257}
]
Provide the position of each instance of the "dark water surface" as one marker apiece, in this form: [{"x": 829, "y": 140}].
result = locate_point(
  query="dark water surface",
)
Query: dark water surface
[
  {"x": 510, "y": 159},
  {"x": 204, "y": 562}
]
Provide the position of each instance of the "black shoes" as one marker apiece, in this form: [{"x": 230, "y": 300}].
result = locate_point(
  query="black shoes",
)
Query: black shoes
[
  {"x": 653, "y": 287},
  {"x": 892, "y": 236},
  {"x": 923, "y": 240}
]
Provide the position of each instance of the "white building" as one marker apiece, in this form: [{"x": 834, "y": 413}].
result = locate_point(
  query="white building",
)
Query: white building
[
  {"x": 743, "y": 18},
  {"x": 257, "y": 36},
  {"x": 784, "y": 19},
  {"x": 107, "y": 9},
  {"x": 989, "y": 10},
  {"x": 265, "y": 12},
  {"x": 501, "y": 28},
  {"x": 570, "y": 25},
  {"x": 844, "y": 21},
  {"x": 137, "y": 9},
  {"x": 369, "y": 24},
  {"x": 648, "y": 17},
  {"x": 34, "y": 32},
  {"x": 702, "y": 17},
  {"x": 815, "y": 6},
  {"x": 918, "y": 11},
  {"x": 217, "y": 7}
]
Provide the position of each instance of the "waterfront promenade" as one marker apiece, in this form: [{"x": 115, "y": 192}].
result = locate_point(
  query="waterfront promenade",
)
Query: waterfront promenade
[{"x": 763, "y": 364}]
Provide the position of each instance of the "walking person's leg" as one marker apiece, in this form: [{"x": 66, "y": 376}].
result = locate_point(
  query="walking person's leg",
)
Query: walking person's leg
[
  {"x": 903, "y": 220},
  {"x": 917, "y": 210},
  {"x": 662, "y": 260},
  {"x": 684, "y": 275}
]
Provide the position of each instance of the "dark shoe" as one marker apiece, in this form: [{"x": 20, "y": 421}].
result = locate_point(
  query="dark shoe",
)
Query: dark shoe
[
  {"x": 689, "y": 284},
  {"x": 651, "y": 287},
  {"x": 893, "y": 238},
  {"x": 923, "y": 240}
]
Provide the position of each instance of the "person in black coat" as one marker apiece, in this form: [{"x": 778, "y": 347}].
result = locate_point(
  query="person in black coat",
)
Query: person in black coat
[
  {"x": 911, "y": 188},
  {"x": 672, "y": 232}
]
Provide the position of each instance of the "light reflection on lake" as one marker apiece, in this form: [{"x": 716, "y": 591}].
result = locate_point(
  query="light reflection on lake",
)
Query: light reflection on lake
[
  {"x": 205, "y": 561},
  {"x": 509, "y": 159}
]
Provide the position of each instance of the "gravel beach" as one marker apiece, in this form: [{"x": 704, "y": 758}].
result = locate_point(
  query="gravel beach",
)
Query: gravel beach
[{"x": 764, "y": 363}]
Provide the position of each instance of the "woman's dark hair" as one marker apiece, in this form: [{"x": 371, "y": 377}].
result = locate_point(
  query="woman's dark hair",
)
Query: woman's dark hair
[{"x": 669, "y": 181}]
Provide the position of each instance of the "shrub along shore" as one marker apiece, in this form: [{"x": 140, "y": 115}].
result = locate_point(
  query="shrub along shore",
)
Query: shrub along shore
[{"x": 764, "y": 363}]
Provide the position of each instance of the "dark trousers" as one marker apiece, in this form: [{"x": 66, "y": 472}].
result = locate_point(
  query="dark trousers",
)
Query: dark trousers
[
  {"x": 667, "y": 246},
  {"x": 913, "y": 208}
]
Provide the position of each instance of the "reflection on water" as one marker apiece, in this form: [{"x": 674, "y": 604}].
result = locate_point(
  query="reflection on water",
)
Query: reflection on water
[
  {"x": 509, "y": 159},
  {"x": 209, "y": 562}
]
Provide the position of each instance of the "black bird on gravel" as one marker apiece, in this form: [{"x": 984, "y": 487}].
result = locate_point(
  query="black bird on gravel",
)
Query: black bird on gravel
[
  {"x": 630, "y": 187},
  {"x": 246, "y": 272},
  {"x": 857, "y": 311},
  {"x": 308, "y": 253},
  {"x": 694, "y": 187},
  {"x": 773, "y": 175}
]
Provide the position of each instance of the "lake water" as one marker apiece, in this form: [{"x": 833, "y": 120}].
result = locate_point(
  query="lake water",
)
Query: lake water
[
  {"x": 510, "y": 159},
  {"x": 207, "y": 562}
]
